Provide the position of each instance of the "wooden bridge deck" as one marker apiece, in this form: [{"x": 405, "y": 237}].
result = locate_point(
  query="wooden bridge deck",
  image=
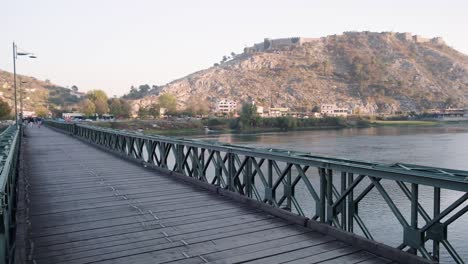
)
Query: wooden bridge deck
[{"x": 89, "y": 206}]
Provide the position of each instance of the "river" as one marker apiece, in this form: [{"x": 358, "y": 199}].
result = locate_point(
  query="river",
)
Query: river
[{"x": 438, "y": 146}]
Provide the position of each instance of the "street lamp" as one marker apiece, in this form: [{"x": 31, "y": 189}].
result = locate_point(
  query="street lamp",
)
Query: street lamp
[
  {"x": 15, "y": 57},
  {"x": 21, "y": 92}
]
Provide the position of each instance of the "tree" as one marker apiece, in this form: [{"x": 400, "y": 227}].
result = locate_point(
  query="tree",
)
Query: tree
[
  {"x": 56, "y": 111},
  {"x": 233, "y": 54},
  {"x": 101, "y": 107},
  {"x": 142, "y": 112},
  {"x": 87, "y": 107},
  {"x": 168, "y": 101},
  {"x": 197, "y": 106},
  {"x": 154, "y": 110},
  {"x": 141, "y": 91},
  {"x": 119, "y": 108},
  {"x": 74, "y": 88},
  {"x": 144, "y": 89},
  {"x": 94, "y": 95},
  {"x": 5, "y": 110},
  {"x": 115, "y": 107},
  {"x": 41, "y": 111},
  {"x": 249, "y": 116},
  {"x": 126, "y": 108},
  {"x": 99, "y": 99}
]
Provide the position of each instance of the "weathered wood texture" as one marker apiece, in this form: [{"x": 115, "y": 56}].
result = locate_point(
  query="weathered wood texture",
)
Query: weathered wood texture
[{"x": 89, "y": 206}]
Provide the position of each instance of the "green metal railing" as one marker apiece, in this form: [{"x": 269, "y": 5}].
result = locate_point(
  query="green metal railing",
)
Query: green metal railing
[
  {"x": 9, "y": 150},
  {"x": 324, "y": 189}
]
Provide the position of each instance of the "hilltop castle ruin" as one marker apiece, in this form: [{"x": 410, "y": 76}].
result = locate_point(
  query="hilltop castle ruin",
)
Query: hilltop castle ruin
[{"x": 273, "y": 44}]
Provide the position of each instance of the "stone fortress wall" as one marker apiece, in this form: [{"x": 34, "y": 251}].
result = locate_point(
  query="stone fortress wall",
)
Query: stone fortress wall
[{"x": 272, "y": 44}]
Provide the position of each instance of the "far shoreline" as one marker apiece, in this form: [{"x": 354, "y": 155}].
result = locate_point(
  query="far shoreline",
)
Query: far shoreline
[{"x": 376, "y": 123}]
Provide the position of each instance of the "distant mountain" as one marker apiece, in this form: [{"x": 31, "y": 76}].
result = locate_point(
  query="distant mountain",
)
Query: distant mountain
[
  {"x": 373, "y": 72},
  {"x": 36, "y": 93}
]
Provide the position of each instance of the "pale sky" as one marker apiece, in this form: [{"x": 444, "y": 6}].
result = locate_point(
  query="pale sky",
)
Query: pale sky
[{"x": 113, "y": 44}]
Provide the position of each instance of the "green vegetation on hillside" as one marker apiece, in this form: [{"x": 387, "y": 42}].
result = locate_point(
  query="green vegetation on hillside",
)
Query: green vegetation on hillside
[{"x": 38, "y": 95}]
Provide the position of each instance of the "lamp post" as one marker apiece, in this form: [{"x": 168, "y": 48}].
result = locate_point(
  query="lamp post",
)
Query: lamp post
[
  {"x": 15, "y": 57},
  {"x": 21, "y": 92}
]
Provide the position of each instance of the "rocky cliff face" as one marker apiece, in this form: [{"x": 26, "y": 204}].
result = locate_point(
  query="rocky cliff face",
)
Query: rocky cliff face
[{"x": 372, "y": 72}]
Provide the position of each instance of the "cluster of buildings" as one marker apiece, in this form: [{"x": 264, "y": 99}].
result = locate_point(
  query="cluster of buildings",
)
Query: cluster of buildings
[
  {"x": 448, "y": 113},
  {"x": 334, "y": 110},
  {"x": 231, "y": 107}
]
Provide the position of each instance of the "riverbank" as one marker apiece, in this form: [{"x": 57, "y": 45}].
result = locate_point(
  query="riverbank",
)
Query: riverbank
[
  {"x": 404, "y": 123},
  {"x": 417, "y": 123},
  {"x": 181, "y": 127},
  {"x": 191, "y": 126}
]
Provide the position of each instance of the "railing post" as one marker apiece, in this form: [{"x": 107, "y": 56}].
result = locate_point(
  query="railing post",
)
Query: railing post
[
  {"x": 180, "y": 158},
  {"x": 435, "y": 243},
  {"x": 350, "y": 205},
  {"x": 248, "y": 177},
  {"x": 323, "y": 186},
  {"x": 288, "y": 189},
  {"x": 162, "y": 154},
  {"x": 269, "y": 188},
  {"x": 149, "y": 150},
  {"x": 343, "y": 205},
  {"x": 195, "y": 161},
  {"x": 330, "y": 212},
  {"x": 414, "y": 212},
  {"x": 231, "y": 171},
  {"x": 218, "y": 169},
  {"x": 201, "y": 168}
]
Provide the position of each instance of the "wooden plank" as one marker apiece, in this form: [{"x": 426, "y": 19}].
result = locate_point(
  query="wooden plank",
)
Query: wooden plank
[
  {"x": 357, "y": 257},
  {"x": 159, "y": 233},
  {"x": 149, "y": 220},
  {"x": 196, "y": 212},
  {"x": 106, "y": 231},
  {"x": 333, "y": 253},
  {"x": 376, "y": 260},
  {"x": 261, "y": 254},
  {"x": 171, "y": 246}
]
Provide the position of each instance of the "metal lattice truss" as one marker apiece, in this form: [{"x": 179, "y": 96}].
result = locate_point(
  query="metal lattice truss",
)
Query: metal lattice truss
[
  {"x": 331, "y": 189},
  {"x": 9, "y": 149}
]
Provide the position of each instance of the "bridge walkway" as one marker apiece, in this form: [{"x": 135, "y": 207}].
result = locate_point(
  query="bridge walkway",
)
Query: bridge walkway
[{"x": 89, "y": 206}]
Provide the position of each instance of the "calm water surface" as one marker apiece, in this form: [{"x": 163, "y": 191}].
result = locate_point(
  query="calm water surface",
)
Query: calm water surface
[{"x": 445, "y": 146}]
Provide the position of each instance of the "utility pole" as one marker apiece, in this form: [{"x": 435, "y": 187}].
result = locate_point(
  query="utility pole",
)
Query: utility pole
[{"x": 14, "y": 81}]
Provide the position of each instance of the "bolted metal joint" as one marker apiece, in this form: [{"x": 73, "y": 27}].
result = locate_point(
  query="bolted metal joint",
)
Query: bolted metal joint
[
  {"x": 268, "y": 194},
  {"x": 413, "y": 237},
  {"x": 437, "y": 232},
  {"x": 331, "y": 213}
]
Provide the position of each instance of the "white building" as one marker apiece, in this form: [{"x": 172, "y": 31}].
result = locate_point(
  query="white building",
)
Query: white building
[
  {"x": 333, "y": 110},
  {"x": 72, "y": 115},
  {"x": 226, "y": 106},
  {"x": 278, "y": 111},
  {"x": 29, "y": 114},
  {"x": 77, "y": 94},
  {"x": 260, "y": 110}
]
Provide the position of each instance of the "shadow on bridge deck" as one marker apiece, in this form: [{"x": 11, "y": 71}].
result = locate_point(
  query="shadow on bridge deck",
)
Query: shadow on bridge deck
[{"x": 89, "y": 206}]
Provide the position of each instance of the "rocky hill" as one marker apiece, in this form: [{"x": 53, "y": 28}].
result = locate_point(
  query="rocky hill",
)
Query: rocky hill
[
  {"x": 373, "y": 72},
  {"x": 36, "y": 93}
]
